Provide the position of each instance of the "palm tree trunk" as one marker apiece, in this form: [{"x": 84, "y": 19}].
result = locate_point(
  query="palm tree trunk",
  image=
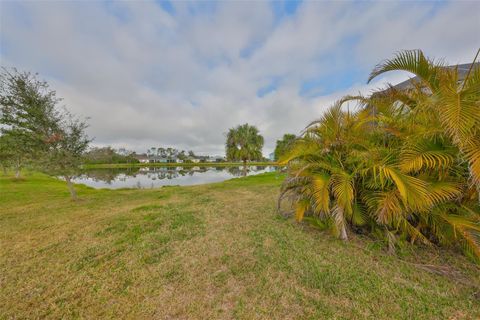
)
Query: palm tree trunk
[
  {"x": 73, "y": 193},
  {"x": 341, "y": 223},
  {"x": 343, "y": 233},
  {"x": 244, "y": 167}
]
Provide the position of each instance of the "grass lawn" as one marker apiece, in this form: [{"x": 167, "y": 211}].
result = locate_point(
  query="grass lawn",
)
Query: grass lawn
[{"x": 215, "y": 251}]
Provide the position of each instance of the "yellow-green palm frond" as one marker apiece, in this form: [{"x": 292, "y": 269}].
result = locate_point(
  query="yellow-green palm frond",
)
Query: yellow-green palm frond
[
  {"x": 425, "y": 155},
  {"x": 442, "y": 191},
  {"x": 343, "y": 190},
  {"x": 321, "y": 192},
  {"x": 473, "y": 79},
  {"x": 331, "y": 118},
  {"x": 393, "y": 99},
  {"x": 302, "y": 148},
  {"x": 300, "y": 209},
  {"x": 459, "y": 111},
  {"x": 414, "y": 232},
  {"x": 413, "y": 61},
  {"x": 413, "y": 191},
  {"x": 386, "y": 206},
  {"x": 471, "y": 148},
  {"x": 468, "y": 230},
  {"x": 359, "y": 215}
]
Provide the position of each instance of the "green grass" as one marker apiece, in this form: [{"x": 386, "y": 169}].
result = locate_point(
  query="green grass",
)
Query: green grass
[
  {"x": 186, "y": 164},
  {"x": 206, "y": 252}
]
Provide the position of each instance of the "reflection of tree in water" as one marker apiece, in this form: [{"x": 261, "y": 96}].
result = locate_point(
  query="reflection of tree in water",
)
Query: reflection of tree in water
[
  {"x": 161, "y": 173},
  {"x": 235, "y": 171},
  {"x": 241, "y": 171},
  {"x": 109, "y": 175}
]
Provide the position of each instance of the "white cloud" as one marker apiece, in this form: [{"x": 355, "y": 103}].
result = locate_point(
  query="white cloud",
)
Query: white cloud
[{"x": 148, "y": 78}]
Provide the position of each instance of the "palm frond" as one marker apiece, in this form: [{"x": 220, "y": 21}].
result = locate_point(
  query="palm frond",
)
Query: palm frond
[
  {"x": 300, "y": 209},
  {"x": 413, "y": 61},
  {"x": 471, "y": 148},
  {"x": 425, "y": 155},
  {"x": 343, "y": 190},
  {"x": 321, "y": 194}
]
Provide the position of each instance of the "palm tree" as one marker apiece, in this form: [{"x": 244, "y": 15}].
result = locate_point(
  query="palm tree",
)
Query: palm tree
[
  {"x": 244, "y": 143},
  {"x": 455, "y": 101},
  {"x": 283, "y": 145},
  {"x": 404, "y": 166}
]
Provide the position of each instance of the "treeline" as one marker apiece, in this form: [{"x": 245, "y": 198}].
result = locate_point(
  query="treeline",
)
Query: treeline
[
  {"x": 171, "y": 152},
  {"x": 36, "y": 131},
  {"x": 106, "y": 155}
]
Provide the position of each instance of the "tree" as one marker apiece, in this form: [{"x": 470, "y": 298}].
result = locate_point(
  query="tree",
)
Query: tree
[
  {"x": 7, "y": 153},
  {"x": 404, "y": 166},
  {"x": 152, "y": 151},
  {"x": 455, "y": 101},
  {"x": 28, "y": 115},
  {"x": 244, "y": 143},
  {"x": 109, "y": 155},
  {"x": 161, "y": 152},
  {"x": 182, "y": 155},
  {"x": 65, "y": 152},
  {"x": 283, "y": 145},
  {"x": 34, "y": 127}
]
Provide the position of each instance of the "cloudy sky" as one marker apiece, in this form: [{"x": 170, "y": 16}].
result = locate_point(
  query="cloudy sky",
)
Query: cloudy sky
[{"x": 160, "y": 73}]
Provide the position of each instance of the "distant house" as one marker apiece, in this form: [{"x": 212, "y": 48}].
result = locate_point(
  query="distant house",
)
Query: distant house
[
  {"x": 163, "y": 159},
  {"x": 462, "y": 70},
  {"x": 142, "y": 158},
  {"x": 192, "y": 159},
  {"x": 215, "y": 159}
]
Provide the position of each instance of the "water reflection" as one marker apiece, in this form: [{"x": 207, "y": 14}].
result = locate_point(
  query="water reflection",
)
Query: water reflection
[{"x": 151, "y": 177}]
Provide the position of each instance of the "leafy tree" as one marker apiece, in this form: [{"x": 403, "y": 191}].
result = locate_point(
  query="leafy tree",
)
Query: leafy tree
[
  {"x": 10, "y": 155},
  {"x": 405, "y": 166},
  {"x": 65, "y": 152},
  {"x": 35, "y": 128},
  {"x": 182, "y": 155},
  {"x": 7, "y": 153},
  {"x": 244, "y": 143},
  {"x": 28, "y": 116},
  {"x": 162, "y": 152},
  {"x": 283, "y": 145},
  {"x": 108, "y": 155},
  {"x": 152, "y": 151}
]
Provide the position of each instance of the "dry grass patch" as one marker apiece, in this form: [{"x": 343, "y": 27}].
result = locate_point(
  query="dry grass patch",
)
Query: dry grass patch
[{"x": 217, "y": 251}]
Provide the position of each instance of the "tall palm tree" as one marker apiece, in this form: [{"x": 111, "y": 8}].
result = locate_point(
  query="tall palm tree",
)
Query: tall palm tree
[{"x": 244, "y": 143}]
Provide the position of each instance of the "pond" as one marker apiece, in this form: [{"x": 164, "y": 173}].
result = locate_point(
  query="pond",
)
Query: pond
[{"x": 153, "y": 177}]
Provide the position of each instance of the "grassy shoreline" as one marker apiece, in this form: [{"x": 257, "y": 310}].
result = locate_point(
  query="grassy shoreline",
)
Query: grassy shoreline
[
  {"x": 203, "y": 164},
  {"x": 215, "y": 251}
]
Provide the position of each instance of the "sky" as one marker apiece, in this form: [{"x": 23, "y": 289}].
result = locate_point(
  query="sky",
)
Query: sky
[{"x": 180, "y": 74}]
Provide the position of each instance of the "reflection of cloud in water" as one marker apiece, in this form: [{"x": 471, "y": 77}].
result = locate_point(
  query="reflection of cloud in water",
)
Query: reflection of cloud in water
[{"x": 163, "y": 176}]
